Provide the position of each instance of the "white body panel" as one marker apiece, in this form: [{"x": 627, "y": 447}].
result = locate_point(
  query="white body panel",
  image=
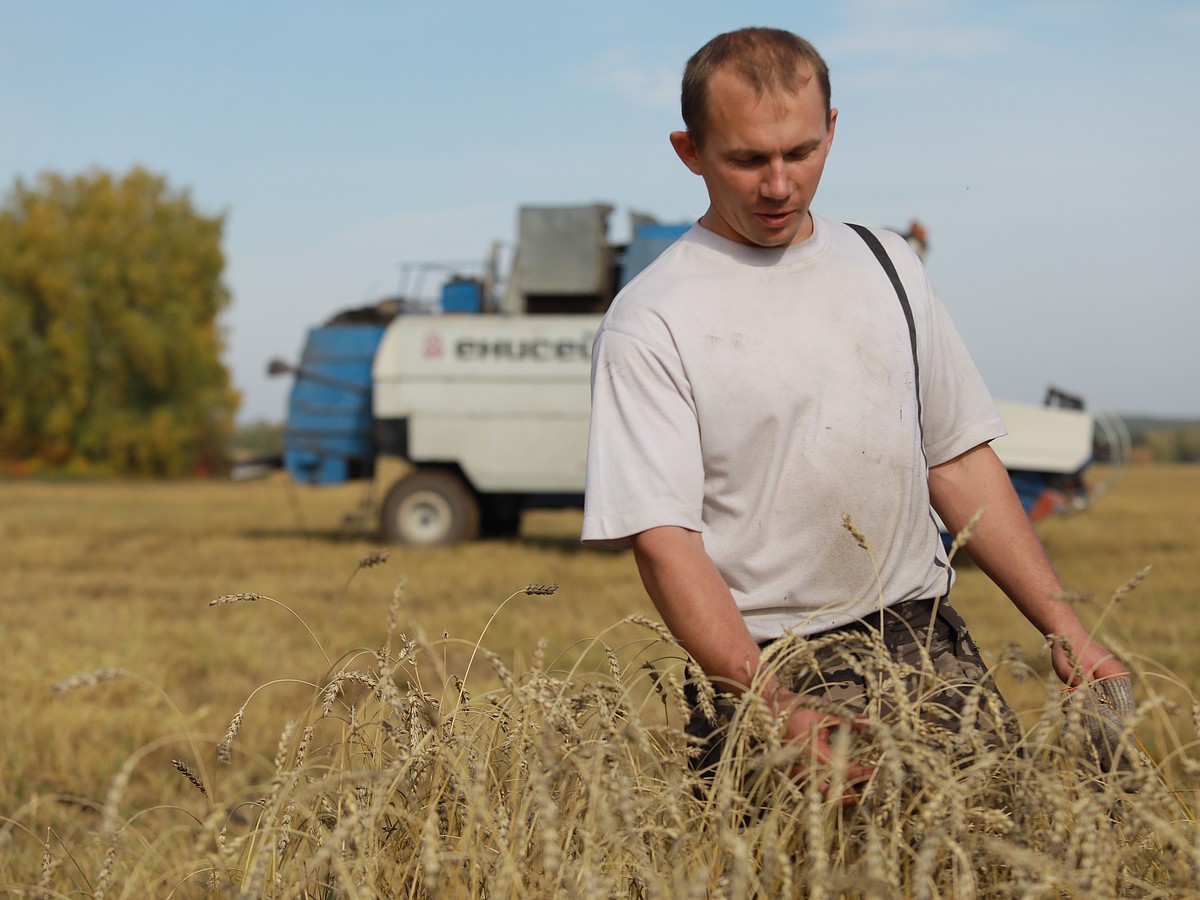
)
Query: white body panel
[
  {"x": 1044, "y": 438},
  {"x": 505, "y": 397}
]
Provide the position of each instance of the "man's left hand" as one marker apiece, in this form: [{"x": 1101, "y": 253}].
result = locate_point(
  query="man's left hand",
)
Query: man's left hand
[{"x": 1079, "y": 657}]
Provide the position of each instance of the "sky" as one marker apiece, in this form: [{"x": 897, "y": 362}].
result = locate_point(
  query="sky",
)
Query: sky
[{"x": 1050, "y": 148}]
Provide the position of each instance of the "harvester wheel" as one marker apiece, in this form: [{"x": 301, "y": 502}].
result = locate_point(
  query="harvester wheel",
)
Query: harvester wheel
[{"x": 429, "y": 508}]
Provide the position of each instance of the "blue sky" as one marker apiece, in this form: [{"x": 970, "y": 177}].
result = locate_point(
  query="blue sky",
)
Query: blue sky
[{"x": 1050, "y": 148}]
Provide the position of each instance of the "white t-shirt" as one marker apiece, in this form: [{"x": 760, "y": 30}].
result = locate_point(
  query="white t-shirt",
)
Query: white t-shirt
[{"x": 758, "y": 394}]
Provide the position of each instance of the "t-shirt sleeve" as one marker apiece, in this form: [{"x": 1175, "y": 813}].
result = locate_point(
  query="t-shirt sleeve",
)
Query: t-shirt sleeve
[
  {"x": 958, "y": 412},
  {"x": 644, "y": 466}
]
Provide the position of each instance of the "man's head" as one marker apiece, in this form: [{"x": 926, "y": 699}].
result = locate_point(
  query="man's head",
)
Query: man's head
[
  {"x": 756, "y": 105},
  {"x": 767, "y": 59}
]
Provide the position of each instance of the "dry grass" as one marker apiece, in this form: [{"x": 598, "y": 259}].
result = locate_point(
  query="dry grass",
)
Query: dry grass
[{"x": 376, "y": 746}]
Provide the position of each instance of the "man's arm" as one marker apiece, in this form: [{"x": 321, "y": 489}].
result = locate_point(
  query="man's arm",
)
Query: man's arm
[
  {"x": 1005, "y": 547},
  {"x": 696, "y": 605}
]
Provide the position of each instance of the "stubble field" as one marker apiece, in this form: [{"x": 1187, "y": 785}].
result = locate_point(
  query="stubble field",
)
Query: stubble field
[{"x": 113, "y": 582}]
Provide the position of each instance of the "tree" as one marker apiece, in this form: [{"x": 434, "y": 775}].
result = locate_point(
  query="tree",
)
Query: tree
[
  {"x": 110, "y": 349},
  {"x": 1179, "y": 444}
]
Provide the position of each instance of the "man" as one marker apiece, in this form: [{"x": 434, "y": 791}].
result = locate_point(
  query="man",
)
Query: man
[{"x": 759, "y": 382}]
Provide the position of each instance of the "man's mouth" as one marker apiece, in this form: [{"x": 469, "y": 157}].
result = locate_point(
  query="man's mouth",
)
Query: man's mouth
[{"x": 774, "y": 219}]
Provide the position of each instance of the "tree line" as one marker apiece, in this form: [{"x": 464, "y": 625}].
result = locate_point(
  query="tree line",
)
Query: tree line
[
  {"x": 110, "y": 356},
  {"x": 1180, "y": 444}
]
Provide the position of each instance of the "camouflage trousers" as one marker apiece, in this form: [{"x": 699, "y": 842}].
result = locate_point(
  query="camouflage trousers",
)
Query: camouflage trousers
[{"x": 932, "y": 669}]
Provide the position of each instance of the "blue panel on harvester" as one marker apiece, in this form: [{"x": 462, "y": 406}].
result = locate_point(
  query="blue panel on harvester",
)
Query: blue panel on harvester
[
  {"x": 462, "y": 297},
  {"x": 329, "y": 435},
  {"x": 649, "y": 240}
]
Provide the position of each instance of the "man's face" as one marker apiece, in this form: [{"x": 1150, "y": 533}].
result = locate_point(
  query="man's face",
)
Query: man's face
[{"x": 761, "y": 159}]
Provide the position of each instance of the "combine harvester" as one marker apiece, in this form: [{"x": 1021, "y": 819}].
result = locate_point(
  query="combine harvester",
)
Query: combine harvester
[
  {"x": 1049, "y": 447},
  {"x": 483, "y": 391}
]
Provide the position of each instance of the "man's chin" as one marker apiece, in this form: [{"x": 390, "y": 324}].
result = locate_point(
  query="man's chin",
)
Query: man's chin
[
  {"x": 775, "y": 239},
  {"x": 785, "y": 234},
  {"x": 754, "y": 233}
]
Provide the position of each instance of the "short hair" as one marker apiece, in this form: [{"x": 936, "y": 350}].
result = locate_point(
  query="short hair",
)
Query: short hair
[{"x": 769, "y": 59}]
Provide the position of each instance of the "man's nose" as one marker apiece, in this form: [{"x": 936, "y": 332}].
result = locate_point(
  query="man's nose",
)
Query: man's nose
[{"x": 776, "y": 185}]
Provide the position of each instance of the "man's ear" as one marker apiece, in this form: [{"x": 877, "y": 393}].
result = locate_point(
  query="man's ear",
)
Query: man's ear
[{"x": 685, "y": 149}]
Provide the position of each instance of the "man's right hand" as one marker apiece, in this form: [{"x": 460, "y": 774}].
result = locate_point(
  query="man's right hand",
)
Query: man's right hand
[
  {"x": 697, "y": 607},
  {"x": 812, "y": 731}
]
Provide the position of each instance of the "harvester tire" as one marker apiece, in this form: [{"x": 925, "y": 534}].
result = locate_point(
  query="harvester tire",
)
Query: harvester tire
[{"x": 429, "y": 508}]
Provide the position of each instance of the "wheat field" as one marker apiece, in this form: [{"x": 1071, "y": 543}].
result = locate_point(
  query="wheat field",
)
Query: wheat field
[{"x": 219, "y": 689}]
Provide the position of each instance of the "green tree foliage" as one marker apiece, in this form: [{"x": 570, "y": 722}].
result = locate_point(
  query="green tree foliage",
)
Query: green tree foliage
[{"x": 110, "y": 350}]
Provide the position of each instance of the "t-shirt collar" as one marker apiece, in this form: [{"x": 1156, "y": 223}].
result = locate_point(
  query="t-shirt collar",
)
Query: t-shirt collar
[{"x": 748, "y": 254}]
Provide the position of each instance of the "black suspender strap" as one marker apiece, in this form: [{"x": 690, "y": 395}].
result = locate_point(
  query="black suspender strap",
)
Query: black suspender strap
[{"x": 886, "y": 261}]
